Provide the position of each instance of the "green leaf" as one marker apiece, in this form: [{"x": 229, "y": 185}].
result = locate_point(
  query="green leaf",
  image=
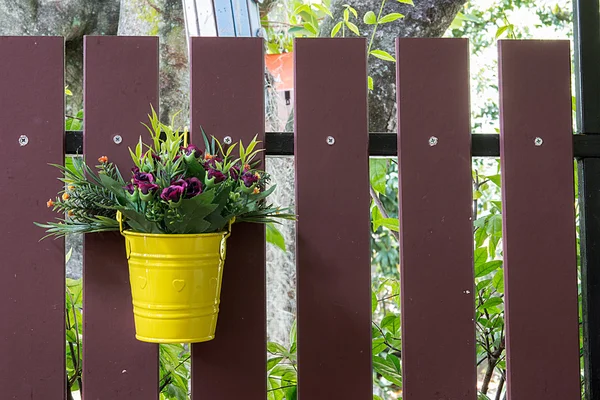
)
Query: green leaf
[
  {"x": 480, "y": 256},
  {"x": 71, "y": 336},
  {"x": 496, "y": 179},
  {"x": 480, "y": 236},
  {"x": 310, "y": 27},
  {"x": 377, "y": 173},
  {"x": 370, "y": 18},
  {"x": 323, "y": 9},
  {"x": 275, "y": 237},
  {"x": 383, "y": 55},
  {"x": 276, "y": 348},
  {"x": 378, "y": 346},
  {"x": 391, "y": 322},
  {"x": 139, "y": 223},
  {"x": 336, "y": 29},
  {"x": 352, "y": 10},
  {"x": 498, "y": 281},
  {"x": 352, "y": 27},
  {"x": 291, "y": 393},
  {"x": 271, "y": 362},
  {"x": 375, "y": 397},
  {"x": 392, "y": 224},
  {"x": 406, "y": 2},
  {"x": 373, "y": 301},
  {"x": 503, "y": 29},
  {"x": 494, "y": 225},
  {"x": 389, "y": 368},
  {"x": 370, "y": 82},
  {"x": 486, "y": 268},
  {"x": 491, "y": 302},
  {"x": 391, "y": 17}
]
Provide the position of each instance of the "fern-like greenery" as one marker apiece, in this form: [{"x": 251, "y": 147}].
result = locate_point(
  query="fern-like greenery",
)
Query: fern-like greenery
[{"x": 173, "y": 188}]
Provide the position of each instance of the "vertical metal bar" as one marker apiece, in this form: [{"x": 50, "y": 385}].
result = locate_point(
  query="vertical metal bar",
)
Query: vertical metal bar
[
  {"x": 120, "y": 84},
  {"x": 227, "y": 99},
  {"x": 587, "y": 87},
  {"x": 333, "y": 228},
  {"x": 436, "y": 231},
  {"x": 32, "y": 273},
  {"x": 536, "y": 152}
]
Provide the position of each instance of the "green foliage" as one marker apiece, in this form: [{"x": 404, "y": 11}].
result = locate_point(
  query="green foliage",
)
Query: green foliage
[{"x": 174, "y": 189}]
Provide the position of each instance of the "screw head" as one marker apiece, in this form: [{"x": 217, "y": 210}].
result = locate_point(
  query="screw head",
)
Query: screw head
[
  {"x": 330, "y": 140},
  {"x": 538, "y": 141},
  {"x": 433, "y": 141},
  {"x": 117, "y": 139},
  {"x": 23, "y": 140},
  {"x": 227, "y": 140}
]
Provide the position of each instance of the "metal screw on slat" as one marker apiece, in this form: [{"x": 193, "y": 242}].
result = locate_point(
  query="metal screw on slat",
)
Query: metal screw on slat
[
  {"x": 538, "y": 141},
  {"x": 227, "y": 140},
  {"x": 23, "y": 140},
  {"x": 433, "y": 141},
  {"x": 117, "y": 139},
  {"x": 330, "y": 140}
]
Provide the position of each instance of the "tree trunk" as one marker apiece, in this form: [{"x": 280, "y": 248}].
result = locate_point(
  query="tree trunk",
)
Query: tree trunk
[
  {"x": 69, "y": 18},
  {"x": 163, "y": 18},
  {"x": 427, "y": 18}
]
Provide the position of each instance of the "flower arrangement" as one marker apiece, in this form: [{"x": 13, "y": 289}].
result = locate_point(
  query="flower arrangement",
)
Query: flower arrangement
[
  {"x": 178, "y": 206},
  {"x": 173, "y": 189}
]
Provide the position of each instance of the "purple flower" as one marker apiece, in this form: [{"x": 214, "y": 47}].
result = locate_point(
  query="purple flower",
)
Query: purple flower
[
  {"x": 194, "y": 187},
  {"x": 146, "y": 187},
  {"x": 179, "y": 182},
  {"x": 234, "y": 172},
  {"x": 216, "y": 174},
  {"x": 211, "y": 161},
  {"x": 249, "y": 178},
  {"x": 139, "y": 177},
  {"x": 192, "y": 149},
  {"x": 172, "y": 193},
  {"x": 130, "y": 187}
]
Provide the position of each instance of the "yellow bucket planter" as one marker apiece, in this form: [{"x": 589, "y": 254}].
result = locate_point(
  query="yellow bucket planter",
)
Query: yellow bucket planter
[{"x": 175, "y": 285}]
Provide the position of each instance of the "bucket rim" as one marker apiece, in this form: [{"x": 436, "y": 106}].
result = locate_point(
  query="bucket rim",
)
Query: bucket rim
[{"x": 129, "y": 232}]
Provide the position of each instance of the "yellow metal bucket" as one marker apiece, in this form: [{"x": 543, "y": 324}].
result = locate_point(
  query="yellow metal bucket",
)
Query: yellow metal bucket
[{"x": 175, "y": 285}]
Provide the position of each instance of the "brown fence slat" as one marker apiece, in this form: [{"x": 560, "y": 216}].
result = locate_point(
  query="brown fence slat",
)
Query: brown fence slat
[
  {"x": 227, "y": 99},
  {"x": 121, "y": 81},
  {"x": 436, "y": 237},
  {"x": 539, "y": 220},
  {"x": 333, "y": 229},
  {"x": 32, "y": 273}
]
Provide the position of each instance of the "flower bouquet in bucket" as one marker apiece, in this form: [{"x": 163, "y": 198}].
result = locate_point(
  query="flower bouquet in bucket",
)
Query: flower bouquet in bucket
[{"x": 175, "y": 212}]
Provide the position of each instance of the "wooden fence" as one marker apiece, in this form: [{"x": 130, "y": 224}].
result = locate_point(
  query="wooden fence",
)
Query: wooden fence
[{"x": 333, "y": 255}]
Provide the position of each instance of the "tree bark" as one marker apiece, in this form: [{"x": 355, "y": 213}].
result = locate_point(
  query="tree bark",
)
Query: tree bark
[
  {"x": 69, "y": 18},
  {"x": 163, "y": 18},
  {"x": 427, "y": 18}
]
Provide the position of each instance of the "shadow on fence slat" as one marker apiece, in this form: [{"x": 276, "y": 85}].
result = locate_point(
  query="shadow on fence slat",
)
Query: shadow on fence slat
[
  {"x": 539, "y": 220},
  {"x": 32, "y": 274},
  {"x": 120, "y": 83}
]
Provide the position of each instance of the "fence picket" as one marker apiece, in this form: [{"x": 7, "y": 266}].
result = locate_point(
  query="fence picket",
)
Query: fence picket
[
  {"x": 32, "y": 274},
  {"x": 539, "y": 220},
  {"x": 120, "y": 83},
  {"x": 436, "y": 231},
  {"x": 333, "y": 229},
  {"x": 227, "y": 99}
]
